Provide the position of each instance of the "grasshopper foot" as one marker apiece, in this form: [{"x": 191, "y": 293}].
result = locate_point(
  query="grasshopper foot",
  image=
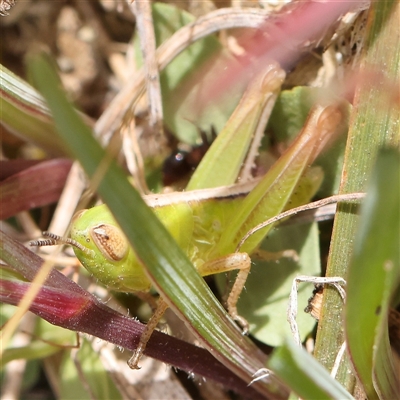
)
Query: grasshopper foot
[
  {"x": 242, "y": 322},
  {"x": 133, "y": 362}
]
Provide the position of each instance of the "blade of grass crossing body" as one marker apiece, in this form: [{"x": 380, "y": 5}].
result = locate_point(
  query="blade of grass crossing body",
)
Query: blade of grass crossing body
[
  {"x": 168, "y": 267},
  {"x": 374, "y": 123}
]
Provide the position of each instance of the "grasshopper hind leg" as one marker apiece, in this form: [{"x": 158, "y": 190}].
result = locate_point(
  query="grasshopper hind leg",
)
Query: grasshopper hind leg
[{"x": 233, "y": 298}]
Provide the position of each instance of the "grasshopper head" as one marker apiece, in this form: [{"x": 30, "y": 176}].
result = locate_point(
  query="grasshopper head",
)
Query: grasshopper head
[{"x": 110, "y": 258}]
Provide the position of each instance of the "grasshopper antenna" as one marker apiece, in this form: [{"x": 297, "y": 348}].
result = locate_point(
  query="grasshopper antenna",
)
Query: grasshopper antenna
[
  {"x": 310, "y": 206},
  {"x": 54, "y": 239}
]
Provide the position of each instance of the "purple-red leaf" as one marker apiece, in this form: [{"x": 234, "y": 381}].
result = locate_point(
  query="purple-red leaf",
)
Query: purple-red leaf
[{"x": 33, "y": 187}]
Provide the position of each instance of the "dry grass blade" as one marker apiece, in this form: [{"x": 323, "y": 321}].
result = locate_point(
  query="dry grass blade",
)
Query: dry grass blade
[{"x": 145, "y": 28}]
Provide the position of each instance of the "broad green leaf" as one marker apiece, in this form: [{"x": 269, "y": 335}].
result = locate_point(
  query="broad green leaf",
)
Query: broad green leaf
[
  {"x": 167, "y": 266},
  {"x": 264, "y": 302},
  {"x": 304, "y": 375},
  {"x": 373, "y": 278}
]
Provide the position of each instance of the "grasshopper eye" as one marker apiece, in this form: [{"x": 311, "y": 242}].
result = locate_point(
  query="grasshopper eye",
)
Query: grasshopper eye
[{"x": 110, "y": 241}]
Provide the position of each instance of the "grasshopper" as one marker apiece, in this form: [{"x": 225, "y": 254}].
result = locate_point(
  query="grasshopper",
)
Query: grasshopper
[{"x": 208, "y": 224}]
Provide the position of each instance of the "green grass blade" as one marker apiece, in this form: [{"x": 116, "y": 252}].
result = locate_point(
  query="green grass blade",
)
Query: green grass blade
[
  {"x": 167, "y": 266},
  {"x": 374, "y": 123},
  {"x": 304, "y": 375},
  {"x": 374, "y": 276},
  {"x": 25, "y": 113}
]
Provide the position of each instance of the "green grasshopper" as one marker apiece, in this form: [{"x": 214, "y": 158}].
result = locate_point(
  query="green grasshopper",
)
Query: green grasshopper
[{"x": 208, "y": 224}]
